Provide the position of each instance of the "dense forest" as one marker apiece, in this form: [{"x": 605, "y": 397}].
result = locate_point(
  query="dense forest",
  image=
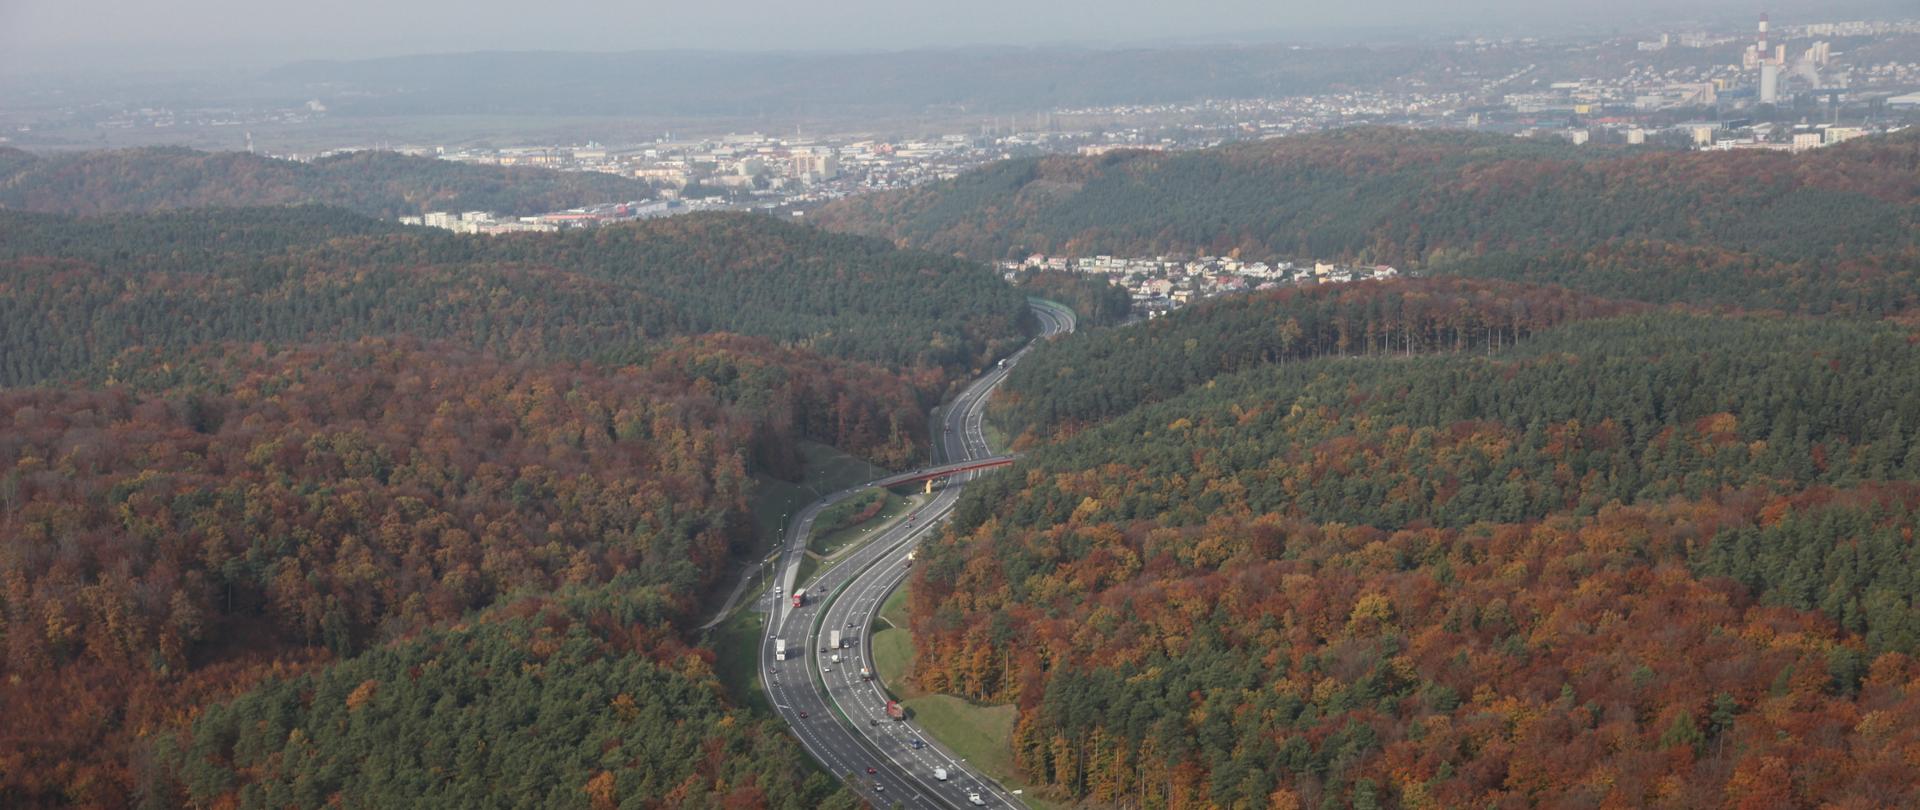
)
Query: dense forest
[
  {"x": 253, "y": 455},
  {"x": 1613, "y": 503},
  {"x": 379, "y": 184},
  {"x": 1090, "y": 377},
  {"x": 179, "y": 279},
  {"x": 572, "y": 700},
  {"x": 1614, "y": 555},
  {"x": 1094, "y": 301},
  {"x": 1839, "y": 223},
  {"x": 228, "y": 512}
]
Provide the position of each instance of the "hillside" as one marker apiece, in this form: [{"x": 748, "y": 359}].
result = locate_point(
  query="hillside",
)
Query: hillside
[
  {"x": 378, "y": 184},
  {"x": 175, "y": 280},
  {"x": 1832, "y": 230},
  {"x": 259, "y": 454},
  {"x": 593, "y": 713},
  {"x": 238, "y": 513},
  {"x": 1650, "y": 560}
]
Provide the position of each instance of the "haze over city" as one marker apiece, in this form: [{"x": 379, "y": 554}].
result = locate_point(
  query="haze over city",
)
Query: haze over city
[{"x": 48, "y": 35}]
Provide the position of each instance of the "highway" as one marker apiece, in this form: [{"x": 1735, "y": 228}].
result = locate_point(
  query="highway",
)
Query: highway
[{"x": 837, "y": 716}]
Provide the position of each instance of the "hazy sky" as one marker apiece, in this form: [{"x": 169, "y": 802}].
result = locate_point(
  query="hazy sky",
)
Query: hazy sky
[{"x": 68, "y": 34}]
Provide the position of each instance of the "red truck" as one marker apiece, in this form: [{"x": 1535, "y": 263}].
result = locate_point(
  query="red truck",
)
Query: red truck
[{"x": 895, "y": 711}]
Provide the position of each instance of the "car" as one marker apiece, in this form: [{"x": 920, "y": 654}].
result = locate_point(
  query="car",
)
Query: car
[
  {"x": 917, "y": 744},
  {"x": 803, "y": 715},
  {"x": 849, "y": 624},
  {"x": 825, "y": 670},
  {"x": 872, "y": 770},
  {"x": 872, "y": 722},
  {"x": 974, "y": 798},
  {"x": 878, "y": 786}
]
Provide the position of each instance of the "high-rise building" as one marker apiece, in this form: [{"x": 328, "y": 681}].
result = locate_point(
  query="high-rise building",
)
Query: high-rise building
[{"x": 1769, "y": 83}]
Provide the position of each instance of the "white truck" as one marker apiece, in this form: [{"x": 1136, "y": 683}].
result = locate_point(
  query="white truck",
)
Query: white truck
[
  {"x": 833, "y": 640},
  {"x": 779, "y": 649},
  {"x": 940, "y": 774},
  {"x": 836, "y": 658}
]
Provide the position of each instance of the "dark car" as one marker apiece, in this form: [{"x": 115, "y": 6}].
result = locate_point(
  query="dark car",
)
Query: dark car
[
  {"x": 803, "y": 715},
  {"x": 873, "y": 770}
]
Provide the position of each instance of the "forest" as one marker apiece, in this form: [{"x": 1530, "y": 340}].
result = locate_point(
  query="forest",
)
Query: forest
[
  {"x": 561, "y": 700},
  {"x": 240, "y": 513},
  {"x": 1610, "y": 503},
  {"x": 1839, "y": 223},
  {"x": 1616, "y": 556},
  {"x": 376, "y": 183},
  {"x": 257, "y": 454},
  {"x": 1091, "y": 377},
  {"x": 174, "y": 280}
]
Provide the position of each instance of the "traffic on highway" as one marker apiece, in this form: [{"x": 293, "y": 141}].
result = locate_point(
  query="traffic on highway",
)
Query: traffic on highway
[{"x": 816, "y": 659}]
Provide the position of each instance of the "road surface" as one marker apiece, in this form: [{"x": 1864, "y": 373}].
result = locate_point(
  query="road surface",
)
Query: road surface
[{"x": 845, "y": 727}]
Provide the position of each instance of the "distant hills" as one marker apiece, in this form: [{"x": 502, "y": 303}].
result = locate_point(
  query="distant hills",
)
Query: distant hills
[
  {"x": 1727, "y": 228},
  {"x": 380, "y": 184},
  {"x": 176, "y": 280}
]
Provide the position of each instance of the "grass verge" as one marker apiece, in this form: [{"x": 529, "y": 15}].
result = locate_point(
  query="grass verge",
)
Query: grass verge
[
  {"x": 979, "y": 734},
  {"x": 983, "y": 735},
  {"x": 736, "y": 652},
  {"x": 828, "y": 543},
  {"x": 825, "y": 470}
]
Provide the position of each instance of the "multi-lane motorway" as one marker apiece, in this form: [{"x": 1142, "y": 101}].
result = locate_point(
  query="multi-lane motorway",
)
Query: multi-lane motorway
[{"x": 839, "y": 717}]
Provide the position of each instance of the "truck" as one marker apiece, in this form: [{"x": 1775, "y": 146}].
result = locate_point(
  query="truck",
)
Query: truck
[
  {"x": 779, "y": 649},
  {"x": 799, "y": 597},
  {"x": 866, "y": 674},
  {"x": 833, "y": 640},
  {"x": 940, "y": 774},
  {"x": 895, "y": 711},
  {"x": 836, "y": 658}
]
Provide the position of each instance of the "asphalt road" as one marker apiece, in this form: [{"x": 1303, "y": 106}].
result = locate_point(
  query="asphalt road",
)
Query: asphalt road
[{"x": 845, "y": 726}]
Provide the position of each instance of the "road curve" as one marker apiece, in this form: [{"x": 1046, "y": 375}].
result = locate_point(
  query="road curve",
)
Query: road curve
[{"x": 845, "y": 727}]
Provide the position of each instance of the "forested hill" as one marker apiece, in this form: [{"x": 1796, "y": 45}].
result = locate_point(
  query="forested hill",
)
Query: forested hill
[
  {"x": 1089, "y": 377},
  {"x": 380, "y": 184},
  {"x": 174, "y": 280},
  {"x": 238, "y": 515},
  {"x": 287, "y": 492},
  {"x": 1733, "y": 228},
  {"x": 1654, "y": 559}
]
